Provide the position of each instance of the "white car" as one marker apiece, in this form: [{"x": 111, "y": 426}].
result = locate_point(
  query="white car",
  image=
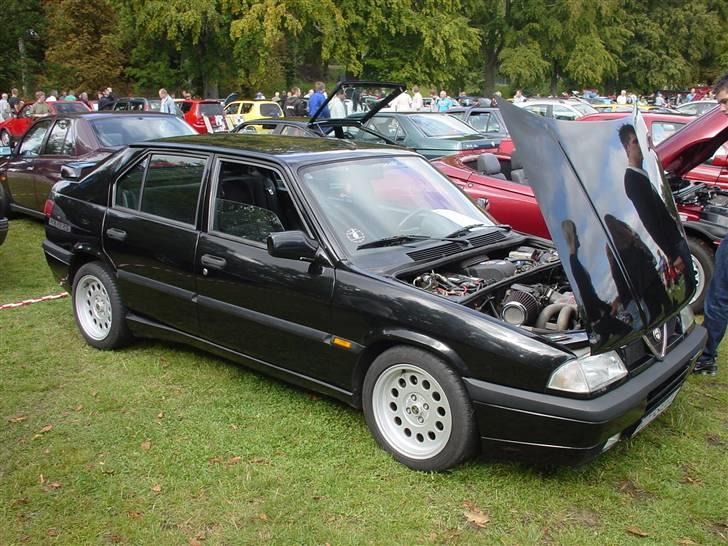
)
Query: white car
[
  {"x": 698, "y": 107},
  {"x": 558, "y": 108}
]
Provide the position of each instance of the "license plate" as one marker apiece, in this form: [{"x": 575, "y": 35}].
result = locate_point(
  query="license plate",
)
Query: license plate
[{"x": 655, "y": 412}]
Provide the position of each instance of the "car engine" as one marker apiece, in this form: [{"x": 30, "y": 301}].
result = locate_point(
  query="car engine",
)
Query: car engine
[{"x": 525, "y": 288}]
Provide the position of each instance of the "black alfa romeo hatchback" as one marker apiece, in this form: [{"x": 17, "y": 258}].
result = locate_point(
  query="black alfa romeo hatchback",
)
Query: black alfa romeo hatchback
[{"x": 361, "y": 272}]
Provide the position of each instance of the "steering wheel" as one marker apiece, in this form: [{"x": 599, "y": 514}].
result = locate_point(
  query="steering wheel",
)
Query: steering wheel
[{"x": 414, "y": 214}]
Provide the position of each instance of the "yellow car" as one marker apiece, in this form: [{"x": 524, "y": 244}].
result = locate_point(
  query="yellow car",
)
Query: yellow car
[
  {"x": 614, "y": 107},
  {"x": 244, "y": 110}
]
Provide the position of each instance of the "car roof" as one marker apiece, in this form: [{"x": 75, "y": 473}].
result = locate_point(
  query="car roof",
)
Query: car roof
[
  {"x": 648, "y": 116},
  {"x": 96, "y": 114},
  {"x": 291, "y": 150}
]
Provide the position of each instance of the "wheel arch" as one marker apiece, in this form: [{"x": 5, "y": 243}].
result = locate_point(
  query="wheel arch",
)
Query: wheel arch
[
  {"x": 694, "y": 229},
  {"x": 84, "y": 253},
  {"x": 378, "y": 342}
]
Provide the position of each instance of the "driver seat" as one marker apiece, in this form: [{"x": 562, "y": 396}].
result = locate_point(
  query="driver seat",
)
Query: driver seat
[
  {"x": 518, "y": 175},
  {"x": 489, "y": 165}
]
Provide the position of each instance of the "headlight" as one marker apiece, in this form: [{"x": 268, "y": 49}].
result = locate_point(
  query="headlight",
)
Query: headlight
[
  {"x": 687, "y": 318},
  {"x": 588, "y": 374}
]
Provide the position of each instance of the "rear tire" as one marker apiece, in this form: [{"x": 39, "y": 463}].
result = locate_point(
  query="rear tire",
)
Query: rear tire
[
  {"x": 418, "y": 409},
  {"x": 97, "y": 305},
  {"x": 4, "y": 203},
  {"x": 703, "y": 263}
]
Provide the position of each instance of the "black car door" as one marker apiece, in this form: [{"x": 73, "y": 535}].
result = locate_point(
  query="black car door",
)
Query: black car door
[
  {"x": 20, "y": 169},
  {"x": 150, "y": 233},
  {"x": 272, "y": 309}
]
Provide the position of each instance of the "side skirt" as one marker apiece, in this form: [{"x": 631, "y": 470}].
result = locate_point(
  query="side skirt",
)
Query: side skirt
[
  {"x": 143, "y": 327},
  {"x": 24, "y": 210}
]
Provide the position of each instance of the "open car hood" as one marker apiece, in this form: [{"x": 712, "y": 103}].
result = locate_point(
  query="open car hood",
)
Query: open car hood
[
  {"x": 615, "y": 226},
  {"x": 368, "y": 97},
  {"x": 694, "y": 143}
]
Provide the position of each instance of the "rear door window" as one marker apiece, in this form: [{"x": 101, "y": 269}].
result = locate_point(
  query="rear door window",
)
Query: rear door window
[
  {"x": 163, "y": 185},
  {"x": 60, "y": 140}
]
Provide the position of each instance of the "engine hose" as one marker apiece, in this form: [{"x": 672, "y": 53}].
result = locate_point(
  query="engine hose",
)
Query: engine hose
[
  {"x": 565, "y": 316},
  {"x": 548, "y": 312}
]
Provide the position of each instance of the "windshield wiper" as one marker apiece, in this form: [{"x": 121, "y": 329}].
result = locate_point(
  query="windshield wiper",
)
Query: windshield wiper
[
  {"x": 395, "y": 240},
  {"x": 464, "y": 230}
]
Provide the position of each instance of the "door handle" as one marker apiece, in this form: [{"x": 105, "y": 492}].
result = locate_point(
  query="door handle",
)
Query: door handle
[
  {"x": 213, "y": 262},
  {"x": 116, "y": 234}
]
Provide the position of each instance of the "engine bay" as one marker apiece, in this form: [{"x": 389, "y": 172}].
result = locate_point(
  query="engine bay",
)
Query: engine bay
[{"x": 524, "y": 287}]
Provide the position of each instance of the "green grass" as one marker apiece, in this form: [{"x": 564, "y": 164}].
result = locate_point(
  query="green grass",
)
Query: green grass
[{"x": 243, "y": 459}]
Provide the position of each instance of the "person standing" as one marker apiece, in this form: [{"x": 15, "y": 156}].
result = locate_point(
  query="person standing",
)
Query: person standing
[
  {"x": 40, "y": 108},
  {"x": 622, "y": 98},
  {"x": 53, "y": 97},
  {"x": 317, "y": 99},
  {"x": 337, "y": 108},
  {"x": 276, "y": 97},
  {"x": 716, "y": 299},
  {"x": 14, "y": 101},
  {"x": 444, "y": 103},
  {"x": 519, "y": 97},
  {"x": 417, "y": 102},
  {"x": 403, "y": 102},
  {"x": 83, "y": 97},
  {"x": 4, "y": 107},
  {"x": 167, "y": 106},
  {"x": 70, "y": 95},
  {"x": 690, "y": 96},
  {"x": 294, "y": 106}
]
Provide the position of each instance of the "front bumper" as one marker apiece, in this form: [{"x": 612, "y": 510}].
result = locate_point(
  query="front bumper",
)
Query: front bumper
[{"x": 552, "y": 429}]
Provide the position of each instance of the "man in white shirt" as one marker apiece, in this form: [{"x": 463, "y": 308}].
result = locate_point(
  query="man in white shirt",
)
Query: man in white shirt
[
  {"x": 622, "y": 98},
  {"x": 417, "y": 102},
  {"x": 167, "y": 106}
]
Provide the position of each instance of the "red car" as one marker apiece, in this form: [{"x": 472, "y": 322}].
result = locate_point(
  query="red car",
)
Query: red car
[
  {"x": 13, "y": 129},
  {"x": 501, "y": 180},
  {"x": 205, "y": 116}
]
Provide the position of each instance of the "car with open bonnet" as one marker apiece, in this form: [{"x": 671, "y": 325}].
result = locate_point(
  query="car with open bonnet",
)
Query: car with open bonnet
[{"x": 359, "y": 271}]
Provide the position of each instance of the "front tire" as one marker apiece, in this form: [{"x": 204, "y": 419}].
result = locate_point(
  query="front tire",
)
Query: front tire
[
  {"x": 97, "y": 305},
  {"x": 703, "y": 264},
  {"x": 417, "y": 408}
]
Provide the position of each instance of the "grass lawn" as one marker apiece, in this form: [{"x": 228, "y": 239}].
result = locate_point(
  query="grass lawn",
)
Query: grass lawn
[{"x": 159, "y": 443}]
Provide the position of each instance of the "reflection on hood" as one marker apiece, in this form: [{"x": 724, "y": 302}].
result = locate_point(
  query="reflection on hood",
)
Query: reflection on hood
[{"x": 612, "y": 218}]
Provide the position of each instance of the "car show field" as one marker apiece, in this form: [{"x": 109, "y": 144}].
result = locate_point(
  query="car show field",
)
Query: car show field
[{"x": 162, "y": 443}]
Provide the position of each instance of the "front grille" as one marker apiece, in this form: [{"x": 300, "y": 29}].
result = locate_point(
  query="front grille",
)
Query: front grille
[{"x": 666, "y": 388}]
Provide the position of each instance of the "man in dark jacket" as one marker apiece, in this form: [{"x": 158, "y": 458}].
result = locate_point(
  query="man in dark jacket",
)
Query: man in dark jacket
[
  {"x": 294, "y": 106},
  {"x": 716, "y": 299}
]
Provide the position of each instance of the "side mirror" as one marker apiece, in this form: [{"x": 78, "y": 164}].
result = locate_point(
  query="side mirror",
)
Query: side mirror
[
  {"x": 292, "y": 245},
  {"x": 482, "y": 203},
  {"x": 70, "y": 173}
]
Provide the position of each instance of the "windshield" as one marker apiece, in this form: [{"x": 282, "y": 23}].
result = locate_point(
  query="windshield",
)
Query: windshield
[
  {"x": 442, "y": 125},
  {"x": 583, "y": 108},
  {"x": 122, "y": 130},
  {"x": 66, "y": 107},
  {"x": 367, "y": 200}
]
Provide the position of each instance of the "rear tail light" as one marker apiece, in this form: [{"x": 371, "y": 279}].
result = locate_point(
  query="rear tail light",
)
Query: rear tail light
[{"x": 48, "y": 208}]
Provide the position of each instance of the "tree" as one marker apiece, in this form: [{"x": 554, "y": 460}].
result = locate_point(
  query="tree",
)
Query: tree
[
  {"x": 21, "y": 45},
  {"x": 82, "y": 51}
]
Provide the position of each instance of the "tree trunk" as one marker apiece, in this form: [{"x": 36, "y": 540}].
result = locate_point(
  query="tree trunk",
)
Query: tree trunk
[
  {"x": 23, "y": 70},
  {"x": 554, "y": 80},
  {"x": 490, "y": 72},
  {"x": 210, "y": 89}
]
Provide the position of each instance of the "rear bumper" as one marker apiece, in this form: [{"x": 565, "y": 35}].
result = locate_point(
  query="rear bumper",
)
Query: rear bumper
[
  {"x": 556, "y": 430},
  {"x": 59, "y": 260}
]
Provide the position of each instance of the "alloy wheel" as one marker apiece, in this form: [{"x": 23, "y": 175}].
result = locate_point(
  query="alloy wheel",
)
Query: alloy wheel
[
  {"x": 412, "y": 411},
  {"x": 93, "y": 307}
]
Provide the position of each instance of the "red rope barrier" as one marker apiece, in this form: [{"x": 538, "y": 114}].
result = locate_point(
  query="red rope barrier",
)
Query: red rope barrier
[{"x": 33, "y": 300}]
